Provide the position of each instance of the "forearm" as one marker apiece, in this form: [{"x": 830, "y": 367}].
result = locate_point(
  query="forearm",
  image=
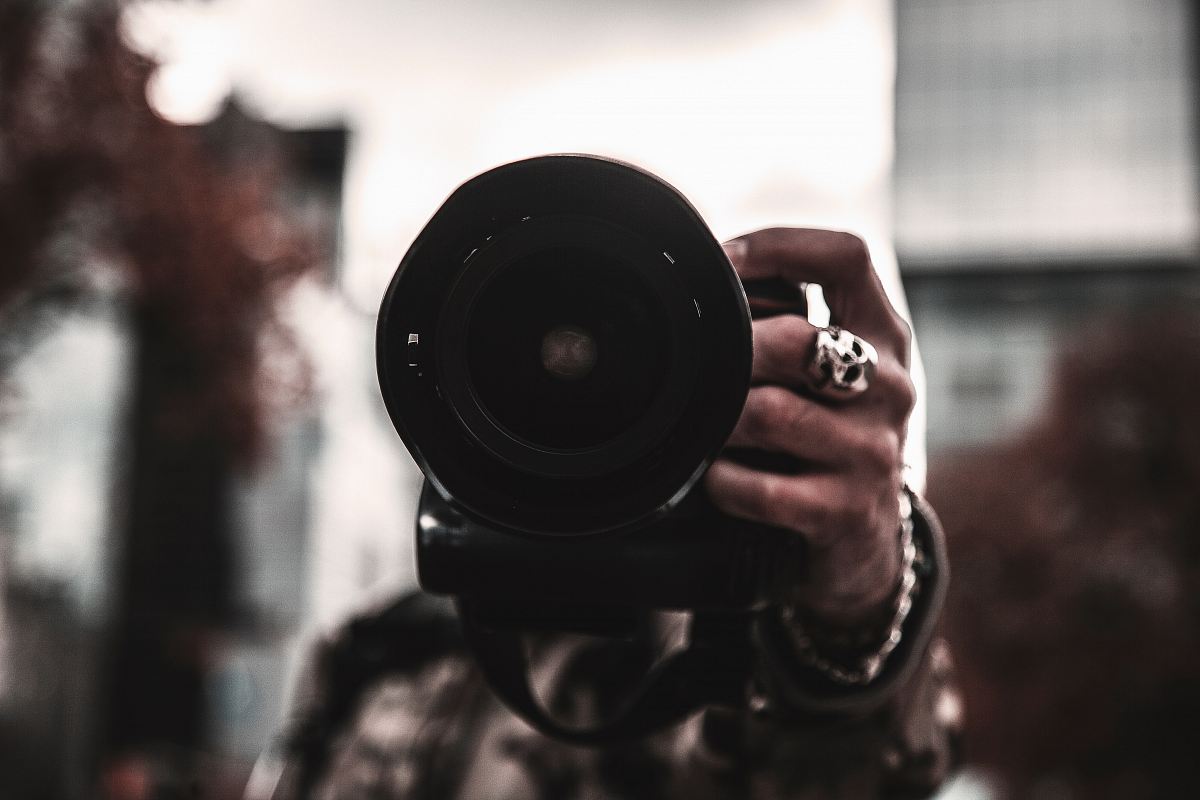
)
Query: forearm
[{"x": 802, "y": 731}]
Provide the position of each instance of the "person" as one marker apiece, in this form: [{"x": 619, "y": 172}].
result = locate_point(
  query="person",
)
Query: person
[{"x": 393, "y": 707}]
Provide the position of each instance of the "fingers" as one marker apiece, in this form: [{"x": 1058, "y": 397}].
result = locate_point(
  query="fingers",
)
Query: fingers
[
  {"x": 783, "y": 350},
  {"x": 824, "y": 507},
  {"x": 850, "y": 526},
  {"x": 844, "y": 498},
  {"x": 777, "y": 419},
  {"x": 839, "y": 263}
]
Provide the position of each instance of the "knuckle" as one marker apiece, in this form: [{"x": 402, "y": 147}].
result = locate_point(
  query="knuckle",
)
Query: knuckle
[
  {"x": 772, "y": 407},
  {"x": 853, "y": 250},
  {"x": 779, "y": 502},
  {"x": 906, "y": 395},
  {"x": 883, "y": 454},
  {"x": 896, "y": 394},
  {"x": 894, "y": 338},
  {"x": 904, "y": 336},
  {"x": 871, "y": 456}
]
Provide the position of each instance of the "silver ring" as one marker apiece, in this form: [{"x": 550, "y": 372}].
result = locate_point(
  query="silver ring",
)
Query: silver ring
[{"x": 843, "y": 364}]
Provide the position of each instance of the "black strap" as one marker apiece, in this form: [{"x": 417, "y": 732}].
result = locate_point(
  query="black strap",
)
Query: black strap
[{"x": 712, "y": 670}]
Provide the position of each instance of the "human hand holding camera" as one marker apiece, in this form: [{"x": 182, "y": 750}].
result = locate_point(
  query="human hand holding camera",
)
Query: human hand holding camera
[
  {"x": 567, "y": 500},
  {"x": 617, "y": 418},
  {"x": 845, "y": 500}
]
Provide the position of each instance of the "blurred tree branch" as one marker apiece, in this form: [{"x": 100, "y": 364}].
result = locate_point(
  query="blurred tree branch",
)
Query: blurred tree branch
[
  {"x": 98, "y": 195},
  {"x": 1075, "y": 605}
]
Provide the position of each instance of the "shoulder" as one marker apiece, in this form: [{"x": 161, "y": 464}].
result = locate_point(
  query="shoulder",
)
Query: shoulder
[{"x": 389, "y": 681}]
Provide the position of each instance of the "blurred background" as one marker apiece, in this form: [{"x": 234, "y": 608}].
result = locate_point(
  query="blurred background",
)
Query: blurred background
[{"x": 200, "y": 206}]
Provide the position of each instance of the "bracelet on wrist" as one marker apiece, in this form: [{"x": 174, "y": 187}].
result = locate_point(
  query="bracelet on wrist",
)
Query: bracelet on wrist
[{"x": 859, "y": 668}]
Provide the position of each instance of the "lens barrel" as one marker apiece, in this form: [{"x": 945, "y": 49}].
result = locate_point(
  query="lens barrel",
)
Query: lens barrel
[{"x": 565, "y": 347}]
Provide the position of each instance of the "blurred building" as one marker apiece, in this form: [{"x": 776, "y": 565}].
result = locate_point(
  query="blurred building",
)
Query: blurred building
[
  {"x": 273, "y": 505},
  {"x": 1045, "y": 179},
  {"x": 1047, "y": 228},
  {"x": 63, "y": 441}
]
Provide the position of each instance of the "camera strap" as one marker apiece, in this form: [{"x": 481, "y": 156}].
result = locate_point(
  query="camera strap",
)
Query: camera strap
[{"x": 713, "y": 669}]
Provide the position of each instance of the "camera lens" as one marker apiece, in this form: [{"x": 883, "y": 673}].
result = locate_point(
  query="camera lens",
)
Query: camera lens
[
  {"x": 568, "y": 352},
  {"x": 567, "y": 348}
]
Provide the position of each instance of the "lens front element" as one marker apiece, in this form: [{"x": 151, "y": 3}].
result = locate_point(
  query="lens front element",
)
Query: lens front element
[
  {"x": 567, "y": 348},
  {"x": 568, "y": 352},
  {"x": 564, "y": 348}
]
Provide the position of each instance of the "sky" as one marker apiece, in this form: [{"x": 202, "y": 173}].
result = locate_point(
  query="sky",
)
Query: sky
[{"x": 760, "y": 112}]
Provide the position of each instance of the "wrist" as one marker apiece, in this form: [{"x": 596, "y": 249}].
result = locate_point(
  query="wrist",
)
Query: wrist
[
  {"x": 852, "y": 585},
  {"x": 793, "y": 686},
  {"x": 851, "y": 644}
]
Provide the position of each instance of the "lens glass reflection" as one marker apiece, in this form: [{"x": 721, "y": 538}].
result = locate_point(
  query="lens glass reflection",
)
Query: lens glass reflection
[{"x": 567, "y": 348}]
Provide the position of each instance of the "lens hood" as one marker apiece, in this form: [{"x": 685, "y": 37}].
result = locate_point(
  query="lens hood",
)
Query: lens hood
[{"x": 564, "y": 348}]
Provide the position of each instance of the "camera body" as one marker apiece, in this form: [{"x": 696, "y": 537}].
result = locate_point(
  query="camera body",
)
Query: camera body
[
  {"x": 564, "y": 350},
  {"x": 573, "y": 486}
]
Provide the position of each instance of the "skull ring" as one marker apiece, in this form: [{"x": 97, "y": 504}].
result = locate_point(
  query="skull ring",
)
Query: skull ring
[{"x": 842, "y": 365}]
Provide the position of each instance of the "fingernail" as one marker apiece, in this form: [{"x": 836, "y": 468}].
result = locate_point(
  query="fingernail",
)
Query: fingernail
[{"x": 735, "y": 250}]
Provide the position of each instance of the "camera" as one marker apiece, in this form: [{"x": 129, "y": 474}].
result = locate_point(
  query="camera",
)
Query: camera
[{"x": 564, "y": 350}]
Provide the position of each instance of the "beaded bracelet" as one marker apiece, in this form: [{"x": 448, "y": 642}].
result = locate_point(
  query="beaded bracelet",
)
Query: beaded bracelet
[{"x": 868, "y": 667}]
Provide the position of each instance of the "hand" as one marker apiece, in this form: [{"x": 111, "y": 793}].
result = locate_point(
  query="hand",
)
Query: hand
[{"x": 845, "y": 502}]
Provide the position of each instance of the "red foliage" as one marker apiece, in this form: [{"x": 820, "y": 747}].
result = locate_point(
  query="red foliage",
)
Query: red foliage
[
  {"x": 83, "y": 156},
  {"x": 1075, "y": 602}
]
